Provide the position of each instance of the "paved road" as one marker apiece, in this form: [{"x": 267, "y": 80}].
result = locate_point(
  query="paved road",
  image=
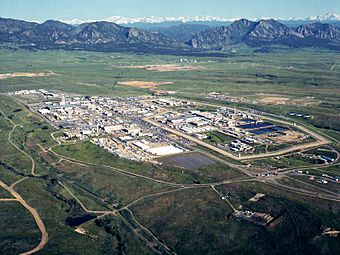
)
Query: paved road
[
  {"x": 264, "y": 114},
  {"x": 301, "y": 191},
  {"x": 320, "y": 140},
  {"x": 191, "y": 138},
  {"x": 314, "y": 186}
]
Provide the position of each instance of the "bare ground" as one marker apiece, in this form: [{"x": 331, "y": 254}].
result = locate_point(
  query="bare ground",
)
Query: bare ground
[
  {"x": 167, "y": 68},
  {"x": 13, "y": 75},
  {"x": 143, "y": 84}
]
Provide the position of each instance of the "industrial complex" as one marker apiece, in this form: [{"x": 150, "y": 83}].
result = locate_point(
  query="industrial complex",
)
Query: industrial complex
[{"x": 148, "y": 127}]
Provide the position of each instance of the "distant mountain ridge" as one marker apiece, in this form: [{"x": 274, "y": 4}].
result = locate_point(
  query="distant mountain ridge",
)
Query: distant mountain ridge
[
  {"x": 99, "y": 35},
  {"x": 108, "y": 36},
  {"x": 267, "y": 32},
  {"x": 182, "y": 32}
]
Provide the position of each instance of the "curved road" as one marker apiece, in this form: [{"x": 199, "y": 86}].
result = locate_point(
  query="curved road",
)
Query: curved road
[
  {"x": 23, "y": 152},
  {"x": 10, "y": 189},
  {"x": 321, "y": 141},
  {"x": 39, "y": 222}
]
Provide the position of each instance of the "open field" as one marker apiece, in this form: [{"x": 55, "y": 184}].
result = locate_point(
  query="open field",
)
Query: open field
[
  {"x": 110, "y": 186},
  {"x": 200, "y": 222},
  {"x": 12, "y": 218},
  {"x": 92, "y": 154},
  {"x": 4, "y": 194},
  {"x": 218, "y": 137},
  {"x": 251, "y": 76},
  {"x": 224, "y": 74}
]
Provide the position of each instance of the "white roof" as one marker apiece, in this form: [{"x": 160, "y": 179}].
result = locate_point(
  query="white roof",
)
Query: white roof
[
  {"x": 142, "y": 145},
  {"x": 165, "y": 150},
  {"x": 113, "y": 128},
  {"x": 44, "y": 111},
  {"x": 125, "y": 138}
]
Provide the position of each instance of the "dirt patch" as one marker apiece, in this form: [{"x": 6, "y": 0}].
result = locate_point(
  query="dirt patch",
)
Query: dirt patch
[
  {"x": 167, "y": 68},
  {"x": 312, "y": 178},
  {"x": 280, "y": 100},
  {"x": 331, "y": 232},
  {"x": 306, "y": 101},
  {"x": 256, "y": 197},
  {"x": 290, "y": 136},
  {"x": 274, "y": 100},
  {"x": 143, "y": 84},
  {"x": 86, "y": 84},
  {"x": 80, "y": 231},
  {"x": 13, "y": 75}
]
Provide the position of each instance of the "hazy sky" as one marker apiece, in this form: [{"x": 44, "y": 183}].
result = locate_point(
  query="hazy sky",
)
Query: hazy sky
[{"x": 40, "y": 10}]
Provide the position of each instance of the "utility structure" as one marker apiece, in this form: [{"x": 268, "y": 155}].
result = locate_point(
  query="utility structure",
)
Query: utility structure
[{"x": 63, "y": 100}]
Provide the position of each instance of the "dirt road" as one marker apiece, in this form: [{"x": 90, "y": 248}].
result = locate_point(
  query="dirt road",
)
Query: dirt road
[
  {"x": 10, "y": 141},
  {"x": 10, "y": 189},
  {"x": 8, "y": 199},
  {"x": 39, "y": 222}
]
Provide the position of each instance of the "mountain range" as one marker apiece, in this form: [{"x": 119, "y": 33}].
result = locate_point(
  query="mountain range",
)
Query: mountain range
[
  {"x": 205, "y": 20},
  {"x": 267, "y": 32},
  {"x": 109, "y": 36},
  {"x": 100, "y": 36}
]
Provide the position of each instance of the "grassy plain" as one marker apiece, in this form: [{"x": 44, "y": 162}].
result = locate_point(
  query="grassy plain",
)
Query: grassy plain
[
  {"x": 304, "y": 75},
  {"x": 19, "y": 232},
  {"x": 191, "y": 221},
  {"x": 88, "y": 152},
  {"x": 181, "y": 219}
]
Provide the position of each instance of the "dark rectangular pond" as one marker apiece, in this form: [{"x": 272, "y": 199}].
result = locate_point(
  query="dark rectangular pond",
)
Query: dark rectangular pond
[
  {"x": 78, "y": 220},
  {"x": 191, "y": 160},
  {"x": 256, "y": 125}
]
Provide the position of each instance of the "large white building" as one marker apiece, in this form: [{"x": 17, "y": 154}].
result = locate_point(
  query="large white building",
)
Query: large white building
[{"x": 165, "y": 150}]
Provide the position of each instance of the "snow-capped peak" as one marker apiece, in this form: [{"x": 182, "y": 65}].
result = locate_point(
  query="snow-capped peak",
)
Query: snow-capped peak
[
  {"x": 185, "y": 19},
  {"x": 154, "y": 19},
  {"x": 326, "y": 17}
]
